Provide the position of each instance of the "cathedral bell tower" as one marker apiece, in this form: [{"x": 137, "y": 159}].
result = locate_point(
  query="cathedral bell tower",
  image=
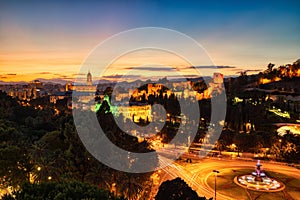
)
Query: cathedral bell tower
[{"x": 89, "y": 79}]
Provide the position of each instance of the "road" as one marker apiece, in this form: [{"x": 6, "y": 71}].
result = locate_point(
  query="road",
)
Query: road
[{"x": 196, "y": 174}]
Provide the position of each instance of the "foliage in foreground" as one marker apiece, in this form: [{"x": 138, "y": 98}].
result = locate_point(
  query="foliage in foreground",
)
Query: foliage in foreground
[
  {"x": 177, "y": 189},
  {"x": 57, "y": 191}
]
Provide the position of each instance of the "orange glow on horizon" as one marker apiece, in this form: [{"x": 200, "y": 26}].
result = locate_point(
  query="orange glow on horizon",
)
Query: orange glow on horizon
[
  {"x": 38, "y": 62},
  {"x": 32, "y": 76}
]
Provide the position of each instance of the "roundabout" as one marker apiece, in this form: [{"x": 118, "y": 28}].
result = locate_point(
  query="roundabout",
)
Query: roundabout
[
  {"x": 266, "y": 185},
  {"x": 238, "y": 182},
  {"x": 200, "y": 177},
  {"x": 259, "y": 181}
]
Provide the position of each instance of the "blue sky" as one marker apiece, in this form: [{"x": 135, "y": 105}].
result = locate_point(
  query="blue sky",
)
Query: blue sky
[{"x": 46, "y": 36}]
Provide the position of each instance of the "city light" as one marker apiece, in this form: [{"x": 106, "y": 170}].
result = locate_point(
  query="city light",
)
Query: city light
[
  {"x": 278, "y": 112},
  {"x": 145, "y": 117}
]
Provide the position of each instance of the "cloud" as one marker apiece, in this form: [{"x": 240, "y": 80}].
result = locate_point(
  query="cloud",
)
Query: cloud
[
  {"x": 211, "y": 67},
  {"x": 179, "y": 76},
  {"x": 248, "y": 70},
  {"x": 11, "y": 74},
  {"x": 253, "y": 70},
  {"x": 44, "y": 73},
  {"x": 79, "y": 74},
  {"x": 226, "y": 67},
  {"x": 136, "y": 77},
  {"x": 68, "y": 78},
  {"x": 148, "y": 68},
  {"x": 117, "y": 76}
]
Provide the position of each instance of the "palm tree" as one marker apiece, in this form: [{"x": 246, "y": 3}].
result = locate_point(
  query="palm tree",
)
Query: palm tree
[
  {"x": 99, "y": 175},
  {"x": 46, "y": 163},
  {"x": 42, "y": 170},
  {"x": 130, "y": 185},
  {"x": 220, "y": 145},
  {"x": 270, "y": 67},
  {"x": 38, "y": 150}
]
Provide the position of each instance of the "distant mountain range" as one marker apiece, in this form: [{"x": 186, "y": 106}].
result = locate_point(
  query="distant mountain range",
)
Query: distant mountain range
[
  {"x": 12, "y": 83},
  {"x": 64, "y": 81},
  {"x": 50, "y": 81}
]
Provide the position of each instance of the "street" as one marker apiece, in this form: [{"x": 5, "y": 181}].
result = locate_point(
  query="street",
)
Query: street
[{"x": 195, "y": 174}]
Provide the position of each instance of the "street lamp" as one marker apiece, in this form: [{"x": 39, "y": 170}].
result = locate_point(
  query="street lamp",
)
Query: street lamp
[{"x": 216, "y": 173}]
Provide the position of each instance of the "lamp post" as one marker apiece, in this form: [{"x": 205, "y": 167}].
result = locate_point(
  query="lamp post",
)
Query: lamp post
[{"x": 216, "y": 173}]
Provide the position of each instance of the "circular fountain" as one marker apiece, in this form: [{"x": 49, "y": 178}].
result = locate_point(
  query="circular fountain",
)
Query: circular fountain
[{"x": 258, "y": 181}]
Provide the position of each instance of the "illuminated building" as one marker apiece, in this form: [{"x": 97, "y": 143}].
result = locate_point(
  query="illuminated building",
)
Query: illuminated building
[
  {"x": 218, "y": 78},
  {"x": 122, "y": 96},
  {"x": 133, "y": 112},
  {"x": 215, "y": 86},
  {"x": 154, "y": 88},
  {"x": 285, "y": 128},
  {"x": 58, "y": 96},
  {"x": 88, "y": 87},
  {"x": 36, "y": 84},
  {"x": 266, "y": 81},
  {"x": 89, "y": 79},
  {"x": 36, "y": 87},
  {"x": 84, "y": 93},
  {"x": 136, "y": 112},
  {"x": 69, "y": 87}
]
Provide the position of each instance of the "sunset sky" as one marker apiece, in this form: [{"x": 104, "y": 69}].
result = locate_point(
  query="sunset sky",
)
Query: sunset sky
[{"x": 40, "y": 39}]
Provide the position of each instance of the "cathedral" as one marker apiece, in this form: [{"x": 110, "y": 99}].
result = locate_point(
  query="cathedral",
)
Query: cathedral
[
  {"x": 88, "y": 87},
  {"x": 89, "y": 80}
]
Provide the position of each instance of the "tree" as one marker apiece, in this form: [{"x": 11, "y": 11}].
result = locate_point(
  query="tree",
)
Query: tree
[
  {"x": 176, "y": 189},
  {"x": 287, "y": 148},
  {"x": 47, "y": 156},
  {"x": 13, "y": 170},
  {"x": 220, "y": 144},
  {"x": 76, "y": 155},
  {"x": 99, "y": 175},
  {"x": 130, "y": 185},
  {"x": 270, "y": 67},
  {"x": 15, "y": 165},
  {"x": 54, "y": 190}
]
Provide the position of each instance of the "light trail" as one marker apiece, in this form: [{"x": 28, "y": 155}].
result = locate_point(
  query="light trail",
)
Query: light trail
[{"x": 196, "y": 174}]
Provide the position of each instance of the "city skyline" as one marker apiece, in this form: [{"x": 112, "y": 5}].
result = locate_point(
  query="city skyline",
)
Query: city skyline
[
  {"x": 149, "y": 99},
  {"x": 52, "y": 39}
]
